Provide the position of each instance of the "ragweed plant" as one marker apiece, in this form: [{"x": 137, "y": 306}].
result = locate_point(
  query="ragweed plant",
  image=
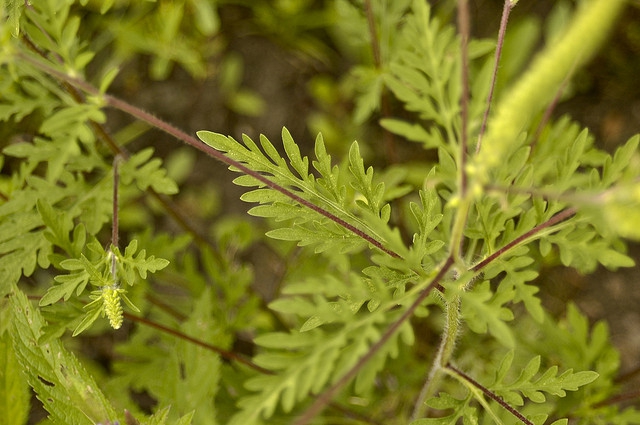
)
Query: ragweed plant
[{"x": 401, "y": 293}]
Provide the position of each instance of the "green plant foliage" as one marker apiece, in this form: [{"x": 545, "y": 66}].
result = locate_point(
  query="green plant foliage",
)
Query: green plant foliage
[
  {"x": 130, "y": 294},
  {"x": 532, "y": 387},
  {"x": 460, "y": 409},
  {"x": 70, "y": 394},
  {"x": 173, "y": 370},
  {"x": 326, "y": 192},
  {"x": 14, "y": 389}
]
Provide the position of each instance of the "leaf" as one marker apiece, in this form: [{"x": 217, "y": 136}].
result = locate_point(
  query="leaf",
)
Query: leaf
[
  {"x": 129, "y": 263},
  {"x": 146, "y": 172},
  {"x": 331, "y": 207},
  {"x": 445, "y": 401},
  {"x": 64, "y": 387},
  {"x": 14, "y": 390},
  {"x": 516, "y": 267},
  {"x": 428, "y": 215},
  {"x": 304, "y": 362},
  {"x": 533, "y": 387},
  {"x": 175, "y": 371},
  {"x": 483, "y": 310}
]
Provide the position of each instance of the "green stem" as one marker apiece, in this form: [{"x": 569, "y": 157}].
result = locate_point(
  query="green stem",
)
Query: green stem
[
  {"x": 325, "y": 397},
  {"x": 445, "y": 351},
  {"x": 462, "y": 206}
]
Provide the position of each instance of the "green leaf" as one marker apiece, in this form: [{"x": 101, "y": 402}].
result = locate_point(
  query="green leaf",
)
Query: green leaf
[
  {"x": 14, "y": 389},
  {"x": 324, "y": 192},
  {"x": 175, "y": 371},
  {"x": 147, "y": 172},
  {"x": 444, "y": 401},
  {"x": 67, "y": 391},
  {"x": 483, "y": 311},
  {"x": 533, "y": 387},
  {"x": 129, "y": 263}
]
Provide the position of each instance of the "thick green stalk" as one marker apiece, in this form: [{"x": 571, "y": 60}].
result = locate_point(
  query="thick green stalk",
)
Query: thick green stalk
[{"x": 537, "y": 87}]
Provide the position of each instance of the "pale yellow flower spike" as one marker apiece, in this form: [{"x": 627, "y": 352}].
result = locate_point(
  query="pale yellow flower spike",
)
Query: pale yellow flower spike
[{"x": 112, "y": 307}]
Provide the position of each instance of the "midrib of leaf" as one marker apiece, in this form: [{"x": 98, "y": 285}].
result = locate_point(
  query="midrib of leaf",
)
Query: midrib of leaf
[{"x": 335, "y": 208}]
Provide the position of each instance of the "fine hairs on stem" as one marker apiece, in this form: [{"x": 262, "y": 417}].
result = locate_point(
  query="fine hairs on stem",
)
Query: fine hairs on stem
[
  {"x": 452, "y": 307},
  {"x": 324, "y": 398},
  {"x": 445, "y": 350}
]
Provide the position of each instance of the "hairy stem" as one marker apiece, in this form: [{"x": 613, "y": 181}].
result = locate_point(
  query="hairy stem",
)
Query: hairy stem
[
  {"x": 114, "y": 219},
  {"x": 116, "y": 182},
  {"x": 445, "y": 351},
  {"x": 323, "y": 399},
  {"x": 197, "y": 144},
  {"x": 459, "y": 223},
  {"x": 373, "y": 34},
  {"x": 387, "y": 136}
]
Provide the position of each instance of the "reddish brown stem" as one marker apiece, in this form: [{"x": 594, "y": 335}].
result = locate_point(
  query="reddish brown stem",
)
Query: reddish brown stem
[
  {"x": 501, "y": 33},
  {"x": 489, "y": 394},
  {"x": 229, "y": 355},
  {"x": 561, "y": 216},
  {"x": 323, "y": 399}
]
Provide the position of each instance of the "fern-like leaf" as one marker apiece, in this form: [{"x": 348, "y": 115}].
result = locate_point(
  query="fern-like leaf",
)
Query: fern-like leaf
[
  {"x": 324, "y": 196},
  {"x": 533, "y": 387},
  {"x": 459, "y": 409}
]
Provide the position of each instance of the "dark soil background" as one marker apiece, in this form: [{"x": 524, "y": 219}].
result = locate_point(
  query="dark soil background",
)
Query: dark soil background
[{"x": 607, "y": 101}]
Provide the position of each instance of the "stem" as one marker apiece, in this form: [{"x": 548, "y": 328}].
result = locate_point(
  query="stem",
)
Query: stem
[
  {"x": 115, "y": 221},
  {"x": 464, "y": 29},
  {"x": 229, "y": 355},
  {"x": 619, "y": 398},
  {"x": 460, "y": 374},
  {"x": 457, "y": 237},
  {"x": 459, "y": 223},
  {"x": 508, "y": 5},
  {"x": 324, "y": 398},
  {"x": 561, "y": 216},
  {"x": 197, "y": 144},
  {"x": 192, "y": 141},
  {"x": 371, "y": 22},
  {"x": 445, "y": 351},
  {"x": 116, "y": 181}
]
